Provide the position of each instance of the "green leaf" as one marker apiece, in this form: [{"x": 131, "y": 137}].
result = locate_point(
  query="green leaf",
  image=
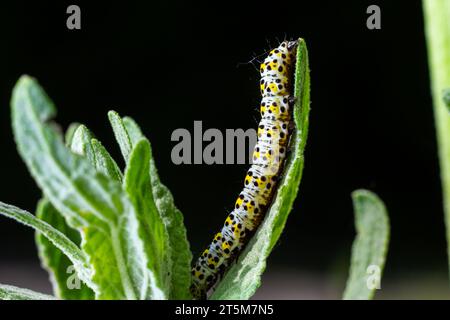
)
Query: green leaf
[
  {"x": 66, "y": 284},
  {"x": 81, "y": 143},
  {"x": 437, "y": 31},
  {"x": 180, "y": 251},
  {"x": 70, "y": 132},
  {"x": 181, "y": 255},
  {"x": 14, "y": 293},
  {"x": 84, "y": 144},
  {"x": 137, "y": 185},
  {"x": 244, "y": 277},
  {"x": 132, "y": 130},
  {"x": 104, "y": 162},
  {"x": 58, "y": 239},
  {"x": 121, "y": 134},
  {"x": 151, "y": 227},
  {"x": 88, "y": 199},
  {"x": 370, "y": 246}
]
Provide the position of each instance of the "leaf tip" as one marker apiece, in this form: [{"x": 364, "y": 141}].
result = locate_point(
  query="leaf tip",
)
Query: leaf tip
[
  {"x": 25, "y": 78},
  {"x": 81, "y": 137},
  {"x": 113, "y": 114},
  {"x": 28, "y": 97},
  {"x": 361, "y": 194},
  {"x": 82, "y": 131}
]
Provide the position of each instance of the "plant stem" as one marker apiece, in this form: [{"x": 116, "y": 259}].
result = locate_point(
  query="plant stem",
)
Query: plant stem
[{"x": 437, "y": 28}]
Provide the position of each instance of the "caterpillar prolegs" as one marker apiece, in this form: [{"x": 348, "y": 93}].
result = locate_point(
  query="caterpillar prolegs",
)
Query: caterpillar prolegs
[{"x": 260, "y": 183}]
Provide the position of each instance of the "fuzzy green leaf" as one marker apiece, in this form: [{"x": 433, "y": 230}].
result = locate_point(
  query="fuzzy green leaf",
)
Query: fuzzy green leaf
[
  {"x": 88, "y": 199},
  {"x": 151, "y": 227},
  {"x": 66, "y": 284},
  {"x": 121, "y": 134},
  {"x": 81, "y": 143},
  {"x": 370, "y": 246},
  {"x": 181, "y": 255},
  {"x": 133, "y": 130},
  {"x": 15, "y": 293},
  {"x": 85, "y": 145},
  {"x": 180, "y": 251},
  {"x": 104, "y": 162},
  {"x": 244, "y": 277},
  {"x": 58, "y": 239},
  {"x": 137, "y": 185},
  {"x": 70, "y": 132}
]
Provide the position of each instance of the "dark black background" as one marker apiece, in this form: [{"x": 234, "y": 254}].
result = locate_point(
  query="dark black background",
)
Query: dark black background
[{"x": 168, "y": 63}]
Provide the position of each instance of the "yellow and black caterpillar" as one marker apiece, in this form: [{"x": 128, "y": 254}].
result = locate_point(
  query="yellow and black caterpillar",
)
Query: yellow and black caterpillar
[{"x": 259, "y": 184}]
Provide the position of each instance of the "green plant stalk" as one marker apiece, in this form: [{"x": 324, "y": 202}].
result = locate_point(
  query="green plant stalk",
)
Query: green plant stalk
[{"x": 437, "y": 28}]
